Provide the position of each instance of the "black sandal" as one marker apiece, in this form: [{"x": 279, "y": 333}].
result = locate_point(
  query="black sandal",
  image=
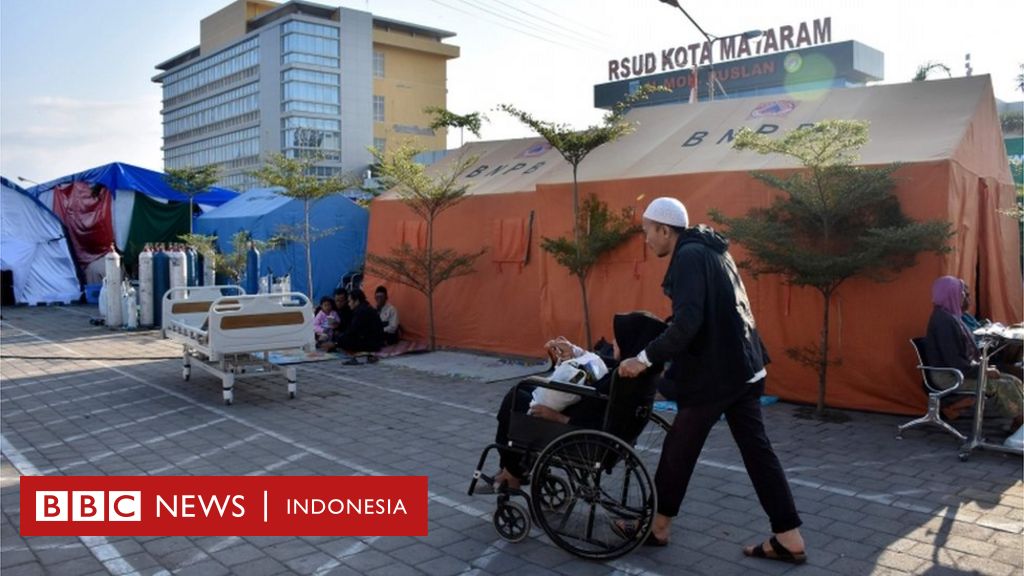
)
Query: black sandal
[{"x": 778, "y": 552}]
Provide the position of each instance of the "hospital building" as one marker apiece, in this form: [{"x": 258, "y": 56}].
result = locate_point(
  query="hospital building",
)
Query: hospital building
[{"x": 300, "y": 78}]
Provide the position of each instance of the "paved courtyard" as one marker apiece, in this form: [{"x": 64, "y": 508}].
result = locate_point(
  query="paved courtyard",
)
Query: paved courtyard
[{"x": 82, "y": 400}]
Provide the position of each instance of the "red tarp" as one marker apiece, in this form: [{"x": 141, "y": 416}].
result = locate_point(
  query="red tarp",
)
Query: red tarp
[{"x": 85, "y": 212}]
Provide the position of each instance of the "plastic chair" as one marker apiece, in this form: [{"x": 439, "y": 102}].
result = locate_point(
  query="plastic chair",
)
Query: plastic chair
[{"x": 935, "y": 393}]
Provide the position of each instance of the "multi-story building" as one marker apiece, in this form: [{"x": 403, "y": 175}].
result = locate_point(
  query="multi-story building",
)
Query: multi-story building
[{"x": 300, "y": 79}]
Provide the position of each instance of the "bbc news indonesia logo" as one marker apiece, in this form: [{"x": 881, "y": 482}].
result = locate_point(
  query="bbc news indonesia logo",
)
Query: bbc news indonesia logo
[{"x": 223, "y": 505}]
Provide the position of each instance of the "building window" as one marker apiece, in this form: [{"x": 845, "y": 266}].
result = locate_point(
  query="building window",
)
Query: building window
[
  {"x": 378, "y": 108},
  {"x": 378, "y": 64},
  {"x": 379, "y": 144},
  {"x": 306, "y": 43},
  {"x": 304, "y": 137}
]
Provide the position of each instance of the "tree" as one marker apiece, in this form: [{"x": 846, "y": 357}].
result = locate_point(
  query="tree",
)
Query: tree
[
  {"x": 428, "y": 195},
  {"x": 443, "y": 118},
  {"x": 192, "y": 181},
  {"x": 601, "y": 232},
  {"x": 835, "y": 221},
  {"x": 298, "y": 179},
  {"x": 924, "y": 69},
  {"x": 575, "y": 145},
  {"x": 231, "y": 265}
]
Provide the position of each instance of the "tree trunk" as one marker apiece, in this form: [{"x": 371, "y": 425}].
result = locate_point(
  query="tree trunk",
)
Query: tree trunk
[
  {"x": 309, "y": 253},
  {"x": 823, "y": 359},
  {"x": 575, "y": 210},
  {"x": 586, "y": 312},
  {"x": 576, "y": 241},
  {"x": 430, "y": 282}
]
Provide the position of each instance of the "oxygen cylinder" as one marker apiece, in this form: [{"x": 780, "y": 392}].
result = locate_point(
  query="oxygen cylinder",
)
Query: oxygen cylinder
[
  {"x": 161, "y": 284},
  {"x": 209, "y": 269},
  {"x": 252, "y": 270},
  {"x": 146, "y": 286},
  {"x": 112, "y": 280},
  {"x": 131, "y": 320},
  {"x": 178, "y": 271},
  {"x": 191, "y": 266}
]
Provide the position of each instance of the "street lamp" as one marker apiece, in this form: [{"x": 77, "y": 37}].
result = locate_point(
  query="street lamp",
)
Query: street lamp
[{"x": 711, "y": 38}]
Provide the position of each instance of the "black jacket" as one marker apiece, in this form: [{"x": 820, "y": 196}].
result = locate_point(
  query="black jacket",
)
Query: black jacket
[
  {"x": 712, "y": 341},
  {"x": 364, "y": 333},
  {"x": 948, "y": 344}
]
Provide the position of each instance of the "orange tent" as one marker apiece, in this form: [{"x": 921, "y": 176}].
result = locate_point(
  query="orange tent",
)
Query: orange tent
[{"x": 945, "y": 133}]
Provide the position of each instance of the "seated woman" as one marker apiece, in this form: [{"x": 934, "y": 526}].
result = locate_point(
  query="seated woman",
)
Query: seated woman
[
  {"x": 364, "y": 332},
  {"x": 633, "y": 331},
  {"x": 949, "y": 344}
]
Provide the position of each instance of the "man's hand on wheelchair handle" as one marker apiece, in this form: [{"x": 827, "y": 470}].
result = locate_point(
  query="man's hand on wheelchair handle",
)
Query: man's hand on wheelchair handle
[{"x": 631, "y": 368}]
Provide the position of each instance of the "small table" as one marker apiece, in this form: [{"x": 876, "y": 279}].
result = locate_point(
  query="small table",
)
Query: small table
[{"x": 994, "y": 338}]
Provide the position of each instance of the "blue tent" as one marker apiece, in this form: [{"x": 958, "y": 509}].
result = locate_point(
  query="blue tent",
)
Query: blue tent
[
  {"x": 339, "y": 230},
  {"x": 120, "y": 176}
]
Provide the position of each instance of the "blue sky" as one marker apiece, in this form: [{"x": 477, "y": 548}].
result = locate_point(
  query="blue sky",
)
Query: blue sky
[{"x": 75, "y": 89}]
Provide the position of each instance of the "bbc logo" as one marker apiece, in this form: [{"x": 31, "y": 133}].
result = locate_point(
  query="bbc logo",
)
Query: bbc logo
[{"x": 89, "y": 506}]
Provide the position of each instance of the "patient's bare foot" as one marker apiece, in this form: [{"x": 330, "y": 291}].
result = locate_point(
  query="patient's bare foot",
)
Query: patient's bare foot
[{"x": 504, "y": 477}]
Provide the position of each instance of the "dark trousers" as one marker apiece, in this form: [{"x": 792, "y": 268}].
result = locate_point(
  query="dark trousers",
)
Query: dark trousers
[
  {"x": 587, "y": 413},
  {"x": 686, "y": 438}
]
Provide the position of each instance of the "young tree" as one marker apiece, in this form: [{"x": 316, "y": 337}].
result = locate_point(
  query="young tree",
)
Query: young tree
[
  {"x": 575, "y": 145},
  {"x": 835, "y": 221},
  {"x": 443, "y": 118},
  {"x": 192, "y": 181},
  {"x": 428, "y": 195},
  {"x": 231, "y": 265},
  {"x": 297, "y": 177},
  {"x": 924, "y": 69}
]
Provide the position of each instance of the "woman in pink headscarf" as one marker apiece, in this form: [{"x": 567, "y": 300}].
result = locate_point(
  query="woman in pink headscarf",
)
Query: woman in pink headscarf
[{"x": 949, "y": 344}]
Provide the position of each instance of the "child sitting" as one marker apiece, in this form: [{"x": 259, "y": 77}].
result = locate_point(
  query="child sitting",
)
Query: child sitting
[{"x": 325, "y": 322}]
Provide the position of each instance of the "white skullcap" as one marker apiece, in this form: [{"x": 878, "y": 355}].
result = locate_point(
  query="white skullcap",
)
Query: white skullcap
[{"x": 669, "y": 211}]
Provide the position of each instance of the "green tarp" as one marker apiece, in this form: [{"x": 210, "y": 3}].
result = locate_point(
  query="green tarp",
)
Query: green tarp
[{"x": 153, "y": 221}]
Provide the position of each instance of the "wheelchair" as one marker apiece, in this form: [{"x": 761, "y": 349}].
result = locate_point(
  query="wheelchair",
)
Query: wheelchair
[{"x": 583, "y": 484}]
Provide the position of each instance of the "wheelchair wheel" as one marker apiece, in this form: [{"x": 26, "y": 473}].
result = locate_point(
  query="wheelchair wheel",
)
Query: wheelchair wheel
[
  {"x": 554, "y": 492},
  {"x": 512, "y": 521},
  {"x": 607, "y": 484},
  {"x": 648, "y": 443}
]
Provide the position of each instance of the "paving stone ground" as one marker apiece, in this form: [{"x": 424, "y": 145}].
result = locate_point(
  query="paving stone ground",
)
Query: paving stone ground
[{"x": 82, "y": 400}]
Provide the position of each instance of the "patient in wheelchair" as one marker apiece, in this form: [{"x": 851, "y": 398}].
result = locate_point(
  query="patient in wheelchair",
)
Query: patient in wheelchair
[{"x": 633, "y": 331}]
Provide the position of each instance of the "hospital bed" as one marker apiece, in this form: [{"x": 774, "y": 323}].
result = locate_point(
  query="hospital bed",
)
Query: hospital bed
[{"x": 231, "y": 335}]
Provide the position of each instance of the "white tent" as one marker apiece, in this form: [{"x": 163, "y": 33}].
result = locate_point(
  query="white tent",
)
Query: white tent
[{"x": 34, "y": 248}]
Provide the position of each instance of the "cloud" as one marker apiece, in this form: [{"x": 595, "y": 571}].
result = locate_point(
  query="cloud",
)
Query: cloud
[{"x": 50, "y": 136}]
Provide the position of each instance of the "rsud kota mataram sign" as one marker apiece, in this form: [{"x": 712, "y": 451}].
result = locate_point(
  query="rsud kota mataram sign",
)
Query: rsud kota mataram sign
[{"x": 787, "y": 37}]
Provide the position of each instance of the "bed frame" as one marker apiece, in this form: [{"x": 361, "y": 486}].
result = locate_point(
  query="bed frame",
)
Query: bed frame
[{"x": 231, "y": 335}]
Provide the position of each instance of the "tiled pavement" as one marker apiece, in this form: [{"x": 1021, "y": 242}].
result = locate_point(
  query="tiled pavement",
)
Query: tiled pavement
[{"x": 81, "y": 400}]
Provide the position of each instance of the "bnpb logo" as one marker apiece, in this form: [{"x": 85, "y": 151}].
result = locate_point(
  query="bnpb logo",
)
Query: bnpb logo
[{"x": 88, "y": 506}]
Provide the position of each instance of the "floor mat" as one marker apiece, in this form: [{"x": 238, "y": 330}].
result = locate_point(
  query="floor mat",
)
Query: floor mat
[
  {"x": 286, "y": 357},
  {"x": 403, "y": 347}
]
